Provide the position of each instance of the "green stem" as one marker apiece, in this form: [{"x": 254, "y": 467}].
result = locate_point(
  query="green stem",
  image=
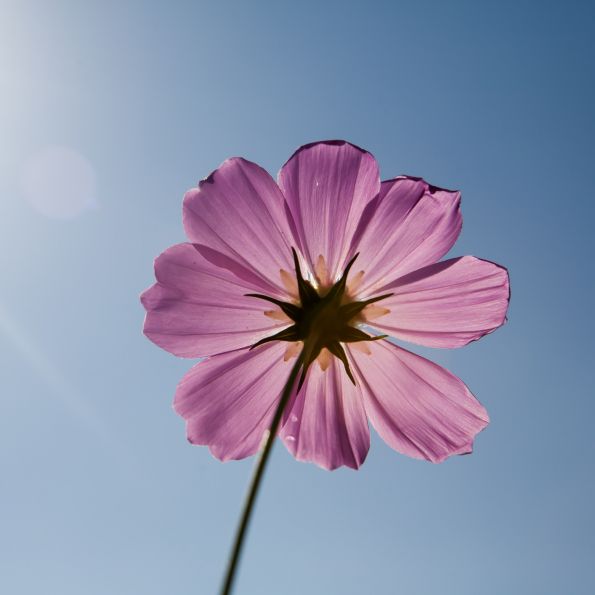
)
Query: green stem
[{"x": 256, "y": 479}]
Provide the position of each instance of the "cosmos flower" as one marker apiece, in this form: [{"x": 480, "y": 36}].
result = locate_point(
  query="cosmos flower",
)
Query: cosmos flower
[{"x": 325, "y": 264}]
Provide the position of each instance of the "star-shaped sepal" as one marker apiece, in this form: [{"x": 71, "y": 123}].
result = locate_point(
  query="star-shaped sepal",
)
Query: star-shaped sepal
[{"x": 321, "y": 320}]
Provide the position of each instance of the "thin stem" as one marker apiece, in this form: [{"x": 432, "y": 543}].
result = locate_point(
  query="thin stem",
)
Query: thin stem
[{"x": 257, "y": 475}]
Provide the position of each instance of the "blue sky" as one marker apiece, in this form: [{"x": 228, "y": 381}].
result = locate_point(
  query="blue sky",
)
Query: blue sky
[{"x": 134, "y": 103}]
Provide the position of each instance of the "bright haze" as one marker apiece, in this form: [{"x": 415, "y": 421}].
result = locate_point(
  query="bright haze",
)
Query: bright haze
[{"x": 109, "y": 112}]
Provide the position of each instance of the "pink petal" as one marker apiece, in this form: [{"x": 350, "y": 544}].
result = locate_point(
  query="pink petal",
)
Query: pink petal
[
  {"x": 413, "y": 225},
  {"x": 327, "y": 422},
  {"x": 197, "y": 309},
  {"x": 238, "y": 212},
  {"x": 447, "y": 304},
  {"x": 228, "y": 401},
  {"x": 417, "y": 407},
  {"x": 327, "y": 186}
]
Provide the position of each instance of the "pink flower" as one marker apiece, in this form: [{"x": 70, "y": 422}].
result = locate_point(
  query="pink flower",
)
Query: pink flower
[{"x": 311, "y": 263}]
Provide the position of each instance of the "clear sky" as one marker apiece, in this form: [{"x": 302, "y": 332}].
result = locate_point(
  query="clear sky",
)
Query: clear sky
[{"x": 109, "y": 111}]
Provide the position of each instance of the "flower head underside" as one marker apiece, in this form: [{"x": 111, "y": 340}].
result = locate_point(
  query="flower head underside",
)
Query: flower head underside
[
  {"x": 323, "y": 319},
  {"x": 367, "y": 254}
]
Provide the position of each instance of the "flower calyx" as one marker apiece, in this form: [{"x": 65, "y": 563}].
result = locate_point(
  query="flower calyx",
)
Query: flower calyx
[{"x": 321, "y": 319}]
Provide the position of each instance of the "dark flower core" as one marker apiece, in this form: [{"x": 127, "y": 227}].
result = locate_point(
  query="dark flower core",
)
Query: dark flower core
[{"x": 321, "y": 320}]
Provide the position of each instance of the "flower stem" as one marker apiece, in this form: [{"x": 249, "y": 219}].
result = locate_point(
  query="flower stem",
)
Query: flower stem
[{"x": 269, "y": 439}]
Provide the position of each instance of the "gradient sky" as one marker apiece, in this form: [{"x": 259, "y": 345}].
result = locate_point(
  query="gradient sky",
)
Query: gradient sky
[{"x": 109, "y": 111}]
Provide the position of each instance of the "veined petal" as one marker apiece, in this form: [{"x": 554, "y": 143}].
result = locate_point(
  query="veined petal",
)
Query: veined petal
[
  {"x": 418, "y": 408},
  {"x": 413, "y": 225},
  {"x": 327, "y": 185},
  {"x": 228, "y": 400},
  {"x": 447, "y": 304},
  {"x": 198, "y": 309},
  {"x": 326, "y": 423},
  {"x": 238, "y": 213}
]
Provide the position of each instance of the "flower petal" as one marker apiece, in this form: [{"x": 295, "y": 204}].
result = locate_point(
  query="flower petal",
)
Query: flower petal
[
  {"x": 238, "y": 211},
  {"x": 326, "y": 423},
  {"x": 327, "y": 186},
  {"x": 418, "y": 408},
  {"x": 197, "y": 308},
  {"x": 447, "y": 304},
  {"x": 413, "y": 224},
  {"x": 228, "y": 400}
]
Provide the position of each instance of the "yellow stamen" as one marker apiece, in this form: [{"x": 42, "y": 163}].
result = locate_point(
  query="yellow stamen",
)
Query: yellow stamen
[
  {"x": 324, "y": 359},
  {"x": 293, "y": 350},
  {"x": 354, "y": 283},
  {"x": 321, "y": 273},
  {"x": 290, "y": 283},
  {"x": 373, "y": 311},
  {"x": 360, "y": 346},
  {"x": 277, "y": 315}
]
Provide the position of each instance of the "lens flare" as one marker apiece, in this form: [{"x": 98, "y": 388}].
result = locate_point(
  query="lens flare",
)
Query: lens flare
[{"x": 59, "y": 183}]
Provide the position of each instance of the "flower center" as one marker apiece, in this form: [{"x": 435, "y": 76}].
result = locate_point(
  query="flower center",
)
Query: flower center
[{"x": 322, "y": 319}]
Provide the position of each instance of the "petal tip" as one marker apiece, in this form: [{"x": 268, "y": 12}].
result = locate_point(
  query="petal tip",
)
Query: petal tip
[
  {"x": 326, "y": 143},
  {"x": 145, "y": 297}
]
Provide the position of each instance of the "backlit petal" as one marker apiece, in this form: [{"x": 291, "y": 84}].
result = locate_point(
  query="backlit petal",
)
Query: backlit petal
[
  {"x": 418, "y": 408},
  {"x": 228, "y": 401},
  {"x": 447, "y": 304},
  {"x": 327, "y": 185},
  {"x": 326, "y": 423},
  {"x": 413, "y": 225},
  {"x": 197, "y": 309},
  {"x": 238, "y": 213}
]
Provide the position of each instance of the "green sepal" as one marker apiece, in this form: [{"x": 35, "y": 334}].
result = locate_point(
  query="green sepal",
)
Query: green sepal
[
  {"x": 351, "y": 334},
  {"x": 338, "y": 289},
  {"x": 348, "y": 311},
  {"x": 288, "y": 308},
  {"x": 308, "y": 295},
  {"x": 287, "y": 334},
  {"x": 308, "y": 327},
  {"x": 337, "y": 350}
]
